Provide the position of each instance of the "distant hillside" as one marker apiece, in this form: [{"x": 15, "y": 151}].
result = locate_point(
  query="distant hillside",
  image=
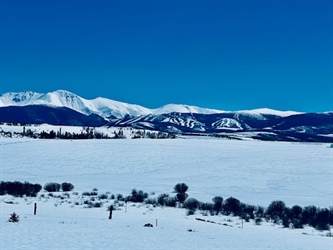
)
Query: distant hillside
[
  {"x": 64, "y": 108},
  {"x": 38, "y": 114}
]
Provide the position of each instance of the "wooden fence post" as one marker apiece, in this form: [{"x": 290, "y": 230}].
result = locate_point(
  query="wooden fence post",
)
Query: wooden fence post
[
  {"x": 110, "y": 215},
  {"x": 35, "y": 209}
]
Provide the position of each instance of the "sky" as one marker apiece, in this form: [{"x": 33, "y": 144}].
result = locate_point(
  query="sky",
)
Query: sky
[{"x": 221, "y": 54}]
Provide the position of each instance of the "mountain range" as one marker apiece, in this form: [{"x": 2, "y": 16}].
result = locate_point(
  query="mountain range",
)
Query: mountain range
[{"x": 65, "y": 108}]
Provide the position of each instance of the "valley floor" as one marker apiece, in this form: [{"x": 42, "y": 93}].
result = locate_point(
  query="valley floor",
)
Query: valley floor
[
  {"x": 254, "y": 172},
  {"x": 59, "y": 224}
]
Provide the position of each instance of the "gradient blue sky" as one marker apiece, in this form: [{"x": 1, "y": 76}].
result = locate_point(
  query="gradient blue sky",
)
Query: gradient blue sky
[{"x": 228, "y": 55}]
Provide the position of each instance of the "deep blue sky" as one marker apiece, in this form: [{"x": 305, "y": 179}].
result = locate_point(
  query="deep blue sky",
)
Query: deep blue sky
[{"x": 228, "y": 55}]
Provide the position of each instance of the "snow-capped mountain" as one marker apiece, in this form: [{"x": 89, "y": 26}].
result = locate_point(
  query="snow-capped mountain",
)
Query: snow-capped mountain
[
  {"x": 266, "y": 111},
  {"x": 18, "y": 98},
  {"x": 172, "y": 108},
  {"x": 110, "y": 108},
  {"x": 61, "y": 98},
  {"x": 65, "y": 108},
  {"x": 101, "y": 106}
]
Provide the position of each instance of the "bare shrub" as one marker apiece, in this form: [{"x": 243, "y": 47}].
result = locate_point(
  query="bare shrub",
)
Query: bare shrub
[
  {"x": 14, "y": 218},
  {"x": 52, "y": 187},
  {"x": 66, "y": 187}
]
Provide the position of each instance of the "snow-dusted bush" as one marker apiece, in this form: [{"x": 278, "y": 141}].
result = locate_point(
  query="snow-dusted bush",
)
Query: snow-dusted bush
[
  {"x": 66, "y": 195},
  {"x": 190, "y": 212},
  {"x": 206, "y": 206},
  {"x": 294, "y": 216},
  {"x": 170, "y": 202},
  {"x": 161, "y": 198},
  {"x": 151, "y": 201},
  {"x": 309, "y": 215},
  {"x": 103, "y": 196},
  {"x": 259, "y": 212},
  {"x": 91, "y": 204},
  {"x": 232, "y": 205},
  {"x": 181, "y": 197},
  {"x": 97, "y": 204},
  {"x": 92, "y": 193},
  {"x": 258, "y": 220},
  {"x": 191, "y": 204},
  {"x": 218, "y": 202},
  {"x": 276, "y": 210},
  {"x": 181, "y": 188},
  {"x": 66, "y": 187},
  {"x": 137, "y": 196},
  {"x": 247, "y": 211},
  {"x": 322, "y": 218},
  {"x": 52, "y": 187},
  {"x": 17, "y": 188},
  {"x": 120, "y": 197},
  {"x": 14, "y": 218}
]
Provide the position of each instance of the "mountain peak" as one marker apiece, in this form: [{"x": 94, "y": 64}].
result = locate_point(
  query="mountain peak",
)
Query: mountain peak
[
  {"x": 18, "y": 98},
  {"x": 111, "y": 108},
  {"x": 182, "y": 108},
  {"x": 60, "y": 98},
  {"x": 267, "y": 111}
]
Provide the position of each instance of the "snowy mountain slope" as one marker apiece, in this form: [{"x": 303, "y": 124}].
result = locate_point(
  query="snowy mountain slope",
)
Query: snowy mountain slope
[
  {"x": 61, "y": 98},
  {"x": 303, "y": 127},
  {"x": 38, "y": 114},
  {"x": 172, "y": 108},
  {"x": 66, "y": 108},
  {"x": 18, "y": 98},
  {"x": 227, "y": 123},
  {"x": 267, "y": 111},
  {"x": 110, "y": 108}
]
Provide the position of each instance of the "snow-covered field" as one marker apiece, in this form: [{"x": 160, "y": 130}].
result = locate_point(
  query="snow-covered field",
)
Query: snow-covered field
[{"x": 252, "y": 171}]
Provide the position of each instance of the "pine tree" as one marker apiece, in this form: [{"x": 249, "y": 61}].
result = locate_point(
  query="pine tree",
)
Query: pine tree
[{"x": 14, "y": 218}]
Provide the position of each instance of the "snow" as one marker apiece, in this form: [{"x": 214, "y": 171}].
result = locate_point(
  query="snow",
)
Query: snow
[
  {"x": 227, "y": 123},
  {"x": 267, "y": 111},
  {"x": 254, "y": 172},
  {"x": 60, "y": 225},
  {"x": 63, "y": 98},
  {"x": 18, "y": 98},
  {"x": 107, "y": 107},
  {"x": 180, "y": 108}
]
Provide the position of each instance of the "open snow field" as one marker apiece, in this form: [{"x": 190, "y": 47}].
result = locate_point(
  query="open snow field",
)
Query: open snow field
[
  {"x": 67, "y": 226},
  {"x": 254, "y": 172}
]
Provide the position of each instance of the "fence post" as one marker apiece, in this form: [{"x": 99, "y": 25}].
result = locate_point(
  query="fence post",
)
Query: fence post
[
  {"x": 35, "y": 209},
  {"x": 110, "y": 215}
]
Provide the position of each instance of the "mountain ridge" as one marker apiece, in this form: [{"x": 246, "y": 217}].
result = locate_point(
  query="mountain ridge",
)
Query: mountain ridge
[
  {"x": 65, "y": 108},
  {"x": 110, "y": 108}
]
